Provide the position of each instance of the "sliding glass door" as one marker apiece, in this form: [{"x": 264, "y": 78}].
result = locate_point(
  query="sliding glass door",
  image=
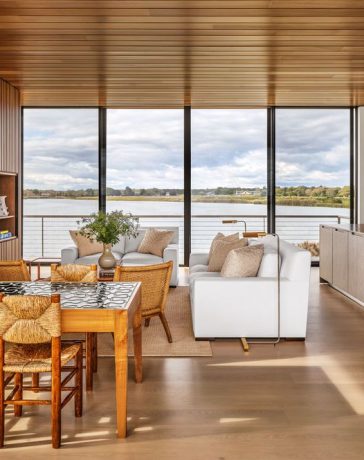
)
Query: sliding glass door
[
  {"x": 60, "y": 176},
  {"x": 229, "y": 172},
  {"x": 312, "y": 172},
  {"x": 145, "y": 166}
]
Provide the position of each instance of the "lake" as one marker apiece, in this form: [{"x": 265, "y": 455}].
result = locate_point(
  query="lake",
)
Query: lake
[
  {"x": 47, "y": 236},
  {"x": 84, "y": 207}
]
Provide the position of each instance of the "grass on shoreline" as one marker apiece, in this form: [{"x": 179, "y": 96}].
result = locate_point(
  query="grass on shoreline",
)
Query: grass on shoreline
[{"x": 280, "y": 200}]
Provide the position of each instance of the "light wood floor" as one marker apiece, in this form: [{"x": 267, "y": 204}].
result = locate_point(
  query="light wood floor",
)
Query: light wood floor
[{"x": 299, "y": 400}]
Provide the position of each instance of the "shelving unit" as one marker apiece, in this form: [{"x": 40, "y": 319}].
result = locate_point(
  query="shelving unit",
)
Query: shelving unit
[{"x": 9, "y": 188}]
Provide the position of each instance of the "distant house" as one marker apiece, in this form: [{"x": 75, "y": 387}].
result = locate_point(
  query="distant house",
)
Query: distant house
[{"x": 243, "y": 192}]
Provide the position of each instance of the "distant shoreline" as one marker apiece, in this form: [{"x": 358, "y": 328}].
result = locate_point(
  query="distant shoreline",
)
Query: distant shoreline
[{"x": 280, "y": 201}]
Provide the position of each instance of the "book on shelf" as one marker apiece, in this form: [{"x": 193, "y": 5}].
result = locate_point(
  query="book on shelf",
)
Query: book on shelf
[{"x": 4, "y": 234}]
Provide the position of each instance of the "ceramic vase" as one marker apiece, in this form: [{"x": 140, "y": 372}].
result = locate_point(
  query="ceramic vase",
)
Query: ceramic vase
[{"x": 107, "y": 260}]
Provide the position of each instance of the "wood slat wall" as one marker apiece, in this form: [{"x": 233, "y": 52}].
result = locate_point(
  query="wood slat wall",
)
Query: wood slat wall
[
  {"x": 10, "y": 155},
  {"x": 167, "y": 53}
]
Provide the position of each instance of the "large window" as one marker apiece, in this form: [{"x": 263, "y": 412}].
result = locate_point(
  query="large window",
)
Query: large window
[
  {"x": 229, "y": 171},
  {"x": 145, "y": 171},
  {"x": 145, "y": 165},
  {"x": 60, "y": 175},
  {"x": 312, "y": 172}
]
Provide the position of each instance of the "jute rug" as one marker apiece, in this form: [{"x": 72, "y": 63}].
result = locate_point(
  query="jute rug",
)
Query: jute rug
[{"x": 155, "y": 343}]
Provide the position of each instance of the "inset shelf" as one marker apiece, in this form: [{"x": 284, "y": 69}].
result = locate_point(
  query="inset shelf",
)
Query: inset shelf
[
  {"x": 8, "y": 239},
  {"x": 6, "y": 217}
]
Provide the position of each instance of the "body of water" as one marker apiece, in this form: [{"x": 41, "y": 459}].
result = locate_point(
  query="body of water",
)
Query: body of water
[
  {"x": 41, "y": 207},
  {"x": 47, "y": 236}
]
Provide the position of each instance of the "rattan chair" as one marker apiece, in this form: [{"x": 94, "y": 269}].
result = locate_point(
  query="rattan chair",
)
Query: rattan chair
[
  {"x": 14, "y": 270},
  {"x": 155, "y": 285},
  {"x": 72, "y": 273},
  {"x": 31, "y": 325}
]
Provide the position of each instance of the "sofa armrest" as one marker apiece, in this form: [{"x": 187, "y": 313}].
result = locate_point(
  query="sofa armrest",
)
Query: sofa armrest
[
  {"x": 199, "y": 258},
  {"x": 171, "y": 252},
  {"x": 69, "y": 255}
]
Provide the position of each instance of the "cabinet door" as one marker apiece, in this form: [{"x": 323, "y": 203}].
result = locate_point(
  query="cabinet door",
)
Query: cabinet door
[
  {"x": 326, "y": 253},
  {"x": 356, "y": 267},
  {"x": 340, "y": 250}
]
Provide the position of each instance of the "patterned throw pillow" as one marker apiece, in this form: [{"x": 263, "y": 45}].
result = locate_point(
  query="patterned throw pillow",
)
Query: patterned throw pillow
[
  {"x": 243, "y": 262},
  {"x": 85, "y": 246},
  {"x": 221, "y": 236},
  {"x": 155, "y": 241},
  {"x": 220, "y": 252}
]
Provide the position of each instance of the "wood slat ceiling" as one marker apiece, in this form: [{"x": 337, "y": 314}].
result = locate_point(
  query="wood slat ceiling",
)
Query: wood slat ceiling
[{"x": 169, "y": 53}]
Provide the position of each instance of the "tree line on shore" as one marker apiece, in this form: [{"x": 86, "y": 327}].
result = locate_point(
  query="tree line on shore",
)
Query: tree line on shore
[{"x": 293, "y": 191}]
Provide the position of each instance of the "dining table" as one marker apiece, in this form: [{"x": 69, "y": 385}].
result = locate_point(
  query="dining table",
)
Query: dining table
[{"x": 98, "y": 307}]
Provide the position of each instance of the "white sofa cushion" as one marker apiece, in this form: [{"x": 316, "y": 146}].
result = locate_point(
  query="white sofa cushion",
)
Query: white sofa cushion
[
  {"x": 268, "y": 265},
  {"x": 199, "y": 268},
  {"x": 138, "y": 258},
  {"x": 132, "y": 244},
  {"x": 194, "y": 276},
  {"x": 120, "y": 246},
  {"x": 94, "y": 258}
]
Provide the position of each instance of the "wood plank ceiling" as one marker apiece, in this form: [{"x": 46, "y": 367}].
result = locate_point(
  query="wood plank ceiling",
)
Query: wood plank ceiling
[{"x": 168, "y": 53}]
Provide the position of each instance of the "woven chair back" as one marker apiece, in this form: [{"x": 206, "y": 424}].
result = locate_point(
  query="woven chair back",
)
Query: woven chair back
[
  {"x": 71, "y": 273},
  {"x": 30, "y": 319},
  {"x": 14, "y": 270},
  {"x": 155, "y": 284}
]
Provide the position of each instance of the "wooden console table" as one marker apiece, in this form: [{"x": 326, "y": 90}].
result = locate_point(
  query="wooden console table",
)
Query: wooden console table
[{"x": 342, "y": 259}]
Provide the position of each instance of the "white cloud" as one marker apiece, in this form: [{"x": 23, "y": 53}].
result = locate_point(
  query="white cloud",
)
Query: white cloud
[{"x": 145, "y": 148}]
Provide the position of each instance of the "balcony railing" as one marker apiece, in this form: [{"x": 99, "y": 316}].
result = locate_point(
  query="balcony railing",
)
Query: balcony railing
[{"x": 46, "y": 235}]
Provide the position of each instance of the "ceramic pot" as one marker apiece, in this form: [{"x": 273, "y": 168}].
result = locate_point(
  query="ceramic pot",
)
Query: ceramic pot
[{"x": 107, "y": 260}]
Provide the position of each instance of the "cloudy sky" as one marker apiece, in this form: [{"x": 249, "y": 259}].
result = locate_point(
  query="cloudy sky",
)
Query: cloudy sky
[{"x": 145, "y": 148}]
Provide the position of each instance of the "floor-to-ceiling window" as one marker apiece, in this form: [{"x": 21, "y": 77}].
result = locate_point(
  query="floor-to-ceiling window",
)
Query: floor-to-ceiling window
[
  {"x": 229, "y": 172},
  {"x": 145, "y": 165},
  {"x": 60, "y": 175},
  {"x": 145, "y": 171},
  {"x": 312, "y": 172}
]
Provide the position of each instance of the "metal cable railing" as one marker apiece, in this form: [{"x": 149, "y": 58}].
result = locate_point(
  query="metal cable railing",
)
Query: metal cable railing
[{"x": 46, "y": 235}]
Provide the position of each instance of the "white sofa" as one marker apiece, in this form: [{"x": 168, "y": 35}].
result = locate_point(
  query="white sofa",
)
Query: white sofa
[
  {"x": 126, "y": 253},
  {"x": 247, "y": 307}
]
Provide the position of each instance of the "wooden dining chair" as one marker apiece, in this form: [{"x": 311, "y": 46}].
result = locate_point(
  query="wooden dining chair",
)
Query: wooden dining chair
[
  {"x": 155, "y": 286},
  {"x": 72, "y": 273},
  {"x": 14, "y": 270},
  {"x": 31, "y": 326}
]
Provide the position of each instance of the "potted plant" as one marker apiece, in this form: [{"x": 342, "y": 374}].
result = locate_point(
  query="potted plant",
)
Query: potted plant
[{"x": 108, "y": 228}]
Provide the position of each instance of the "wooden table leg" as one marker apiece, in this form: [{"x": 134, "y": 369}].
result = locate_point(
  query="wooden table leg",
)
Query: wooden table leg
[
  {"x": 121, "y": 368},
  {"x": 137, "y": 338},
  {"x": 89, "y": 366}
]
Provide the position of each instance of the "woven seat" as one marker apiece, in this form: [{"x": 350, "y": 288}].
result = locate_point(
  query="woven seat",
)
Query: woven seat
[
  {"x": 31, "y": 326},
  {"x": 71, "y": 273},
  {"x": 36, "y": 357},
  {"x": 155, "y": 286},
  {"x": 14, "y": 270}
]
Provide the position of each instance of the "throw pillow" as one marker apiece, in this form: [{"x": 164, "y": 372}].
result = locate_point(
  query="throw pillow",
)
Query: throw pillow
[
  {"x": 221, "y": 250},
  {"x": 85, "y": 246},
  {"x": 155, "y": 241},
  {"x": 221, "y": 236},
  {"x": 243, "y": 262}
]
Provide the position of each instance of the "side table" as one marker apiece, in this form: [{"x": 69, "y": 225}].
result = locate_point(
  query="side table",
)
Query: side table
[{"x": 39, "y": 261}]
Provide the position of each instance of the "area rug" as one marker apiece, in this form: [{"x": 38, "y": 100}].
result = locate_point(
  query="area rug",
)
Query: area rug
[{"x": 155, "y": 343}]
